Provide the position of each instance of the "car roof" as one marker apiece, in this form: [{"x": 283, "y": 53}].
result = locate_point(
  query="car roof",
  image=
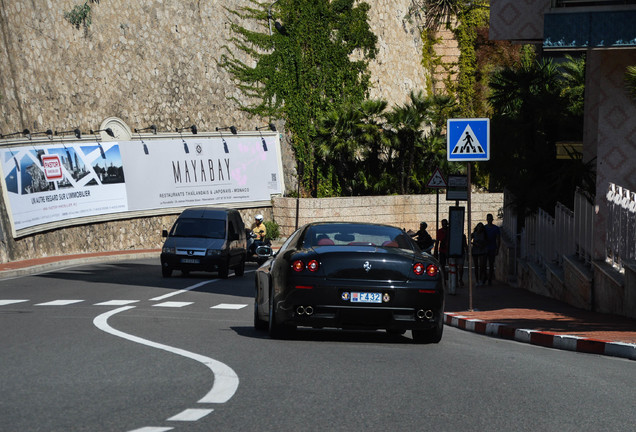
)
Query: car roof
[
  {"x": 370, "y": 224},
  {"x": 207, "y": 212}
]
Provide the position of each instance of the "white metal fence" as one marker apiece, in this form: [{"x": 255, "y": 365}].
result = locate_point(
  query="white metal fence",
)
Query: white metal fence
[
  {"x": 546, "y": 239},
  {"x": 621, "y": 225}
]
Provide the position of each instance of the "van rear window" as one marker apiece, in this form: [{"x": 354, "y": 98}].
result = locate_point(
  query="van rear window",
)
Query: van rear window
[{"x": 197, "y": 227}]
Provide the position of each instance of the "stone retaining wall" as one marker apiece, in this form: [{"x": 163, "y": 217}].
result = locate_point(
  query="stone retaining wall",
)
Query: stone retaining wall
[{"x": 404, "y": 211}]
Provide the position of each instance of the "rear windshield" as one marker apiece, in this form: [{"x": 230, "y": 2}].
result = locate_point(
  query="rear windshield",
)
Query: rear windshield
[
  {"x": 356, "y": 235},
  {"x": 197, "y": 227}
]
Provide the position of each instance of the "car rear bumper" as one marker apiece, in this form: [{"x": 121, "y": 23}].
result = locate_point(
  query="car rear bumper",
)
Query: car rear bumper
[{"x": 404, "y": 309}]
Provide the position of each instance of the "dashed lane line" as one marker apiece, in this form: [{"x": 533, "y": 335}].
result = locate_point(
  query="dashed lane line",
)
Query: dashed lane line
[
  {"x": 181, "y": 291},
  {"x": 172, "y": 304},
  {"x": 9, "y": 302},
  {"x": 152, "y": 429},
  {"x": 230, "y": 306},
  {"x": 116, "y": 303},
  {"x": 59, "y": 303}
]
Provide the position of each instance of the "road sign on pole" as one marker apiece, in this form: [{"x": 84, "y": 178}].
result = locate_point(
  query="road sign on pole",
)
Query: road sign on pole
[
  {"x": 437, "y": 180},
  {"x": 468, "y": 140}
]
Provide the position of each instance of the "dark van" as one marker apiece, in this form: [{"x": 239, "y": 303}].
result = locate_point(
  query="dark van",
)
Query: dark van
[{"x": 205, "y": 239}]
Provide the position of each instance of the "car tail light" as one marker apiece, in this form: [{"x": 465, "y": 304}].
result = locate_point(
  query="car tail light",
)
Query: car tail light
[
  {"x": 427, "y": 291},
  {"x": 313, "y": 266},
  {"x": 418, "y": 268},
  {"x": 431, "y": 269},
  {"x": 298, "y": 265}
]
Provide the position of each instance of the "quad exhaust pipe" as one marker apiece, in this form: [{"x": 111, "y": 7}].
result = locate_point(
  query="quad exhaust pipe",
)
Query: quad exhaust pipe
[
  {"x": 424, "y": 314},
  {"x": 305, "y": 310}
]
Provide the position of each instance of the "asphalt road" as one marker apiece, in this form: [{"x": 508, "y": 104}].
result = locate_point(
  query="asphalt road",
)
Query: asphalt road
[{"x": 115, "y": 347}]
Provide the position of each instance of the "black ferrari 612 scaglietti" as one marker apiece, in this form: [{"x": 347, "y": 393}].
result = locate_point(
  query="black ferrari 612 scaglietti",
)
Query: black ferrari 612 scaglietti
[{"x": 351, "y": 276}]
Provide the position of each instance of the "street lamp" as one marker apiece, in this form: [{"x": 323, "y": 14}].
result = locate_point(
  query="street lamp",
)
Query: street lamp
[{"x": 269, "y": 17}]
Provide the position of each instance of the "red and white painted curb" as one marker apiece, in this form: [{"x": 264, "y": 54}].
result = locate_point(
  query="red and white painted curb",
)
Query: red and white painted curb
[{"x": 545, "y": 339}]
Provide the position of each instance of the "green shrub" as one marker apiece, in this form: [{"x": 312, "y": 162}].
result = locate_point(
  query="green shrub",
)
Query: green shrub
[{"x": 273, "y": 230}]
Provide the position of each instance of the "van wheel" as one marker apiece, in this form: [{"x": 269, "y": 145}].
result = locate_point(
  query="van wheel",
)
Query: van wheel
[
  {"x": 166, "y": 272},
  {"x": 224, "y": 271},
  {"x": 240, "y": 269}
]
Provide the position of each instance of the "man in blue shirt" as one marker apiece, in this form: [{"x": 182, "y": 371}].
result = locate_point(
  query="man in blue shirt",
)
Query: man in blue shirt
[{"x": 493, "y": 241}]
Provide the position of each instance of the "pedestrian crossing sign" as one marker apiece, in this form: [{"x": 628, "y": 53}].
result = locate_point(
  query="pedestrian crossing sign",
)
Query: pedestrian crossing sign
[{"x": 468, "y": 139}]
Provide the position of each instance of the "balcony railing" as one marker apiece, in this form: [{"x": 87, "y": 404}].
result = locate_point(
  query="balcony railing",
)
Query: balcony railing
[{"x": 588, "y": 3}]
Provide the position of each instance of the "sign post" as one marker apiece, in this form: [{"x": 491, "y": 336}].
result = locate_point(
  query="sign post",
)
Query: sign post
[
  {"x": 437, "y": 181},
  {"x": 468, "y": 140}
]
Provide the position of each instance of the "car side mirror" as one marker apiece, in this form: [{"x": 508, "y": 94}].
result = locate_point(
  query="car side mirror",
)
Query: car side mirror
[{"x": 164, "y": 233}]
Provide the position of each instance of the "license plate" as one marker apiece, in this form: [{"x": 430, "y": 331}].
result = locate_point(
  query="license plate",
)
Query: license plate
[
  {"x": 189, "y": 261},
  {"x": 366, "y": 297}
]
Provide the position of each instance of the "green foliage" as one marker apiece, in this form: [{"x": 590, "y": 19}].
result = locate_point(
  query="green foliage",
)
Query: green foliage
[
  {"x": 436, "y": 12},
  {"x": 471, "y": 18},
  {"x": 80, "y": 16},
  {"x": 369, "y": 150},
  {"x": 531, "y": 112},
  {"x": 273, "y": 230},
  {"x": 630, "y": 81},
  {"x": 315, "y": 59}
]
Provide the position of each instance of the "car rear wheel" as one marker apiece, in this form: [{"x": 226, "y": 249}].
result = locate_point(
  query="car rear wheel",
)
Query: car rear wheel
[
  {"x": 259, "y": 324},
  {"x": 428, "y": 336},
  {"x": 275, "y": 330}
]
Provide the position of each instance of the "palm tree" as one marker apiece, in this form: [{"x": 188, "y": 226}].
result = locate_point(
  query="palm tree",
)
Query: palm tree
[
  {"x": 530, "y": 114},
  {"x": 630, "y": 81},
  {"x": 436, "y": 12},
  {"x": 350, "y": 145},
  {"x": 416, "y": 138}
]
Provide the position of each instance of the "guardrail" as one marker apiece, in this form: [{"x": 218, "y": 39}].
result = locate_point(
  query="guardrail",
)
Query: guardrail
[{"x": 621, "y": 225}]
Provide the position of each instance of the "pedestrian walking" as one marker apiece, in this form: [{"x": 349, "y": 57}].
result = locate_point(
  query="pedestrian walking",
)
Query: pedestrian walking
[
  {"x": 459, "y": 261},
  {"x": 424, "y": 239},
  {"x": 441, "y": 245},
  {"x": 493, "y": 239},
  {"x": 479, "y": 250}
]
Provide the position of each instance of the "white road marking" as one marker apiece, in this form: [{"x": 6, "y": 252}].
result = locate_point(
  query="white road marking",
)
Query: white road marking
[
  {"x": 229, "y": 306},
  {"x": 225, "y": 379},
  {"x": 191, "y": 414},
  {"x": 152, "y": 429},
  {"x": 8, "y": 302},
  {"x": 116, "y": 303},
  {"x": 190, "y": 288},
  {"x": 59, "y": 303},
  {"x": 172, "y": 304}
]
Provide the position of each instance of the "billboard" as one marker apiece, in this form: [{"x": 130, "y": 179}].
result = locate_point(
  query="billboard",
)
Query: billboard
[{"x": 60, "y": 182}]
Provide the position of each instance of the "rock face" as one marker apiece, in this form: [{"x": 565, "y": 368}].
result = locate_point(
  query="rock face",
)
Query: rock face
[{"x": 148, "y": 62}]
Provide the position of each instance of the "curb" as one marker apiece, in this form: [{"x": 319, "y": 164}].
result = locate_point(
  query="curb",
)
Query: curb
[
  {"x": 545, "y": 339},
  {"x": 66, "y": 263}
]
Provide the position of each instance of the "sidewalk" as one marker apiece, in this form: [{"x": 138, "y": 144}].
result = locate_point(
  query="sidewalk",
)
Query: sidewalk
[
  {"x": 512, "y": 313},
  {"x": 499, "y": 310}
]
